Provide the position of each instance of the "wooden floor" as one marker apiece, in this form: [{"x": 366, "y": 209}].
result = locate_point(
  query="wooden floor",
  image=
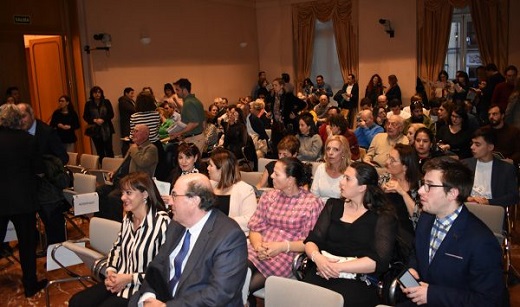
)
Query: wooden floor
[{"x": 11, "y": 291}]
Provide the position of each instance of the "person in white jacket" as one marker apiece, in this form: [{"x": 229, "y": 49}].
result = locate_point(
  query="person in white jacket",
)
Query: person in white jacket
[{"x": 235, "y": 198}]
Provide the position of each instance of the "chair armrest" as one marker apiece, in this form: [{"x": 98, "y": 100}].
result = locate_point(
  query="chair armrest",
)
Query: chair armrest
[{"x": 99, "y": 268}]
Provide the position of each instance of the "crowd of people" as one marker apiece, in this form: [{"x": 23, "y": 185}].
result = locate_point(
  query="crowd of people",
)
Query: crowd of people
[{"x": 389, "y": 180}]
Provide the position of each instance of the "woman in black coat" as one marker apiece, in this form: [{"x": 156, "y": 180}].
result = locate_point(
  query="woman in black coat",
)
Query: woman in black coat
[{"x": 98, "y": 114}]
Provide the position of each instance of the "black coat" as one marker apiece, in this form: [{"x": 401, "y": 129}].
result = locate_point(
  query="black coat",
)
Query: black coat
[{"x": 20, "y": 161}]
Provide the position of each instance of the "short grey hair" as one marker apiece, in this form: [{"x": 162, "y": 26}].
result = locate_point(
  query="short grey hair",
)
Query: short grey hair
[{"x": 10, "y": 116}]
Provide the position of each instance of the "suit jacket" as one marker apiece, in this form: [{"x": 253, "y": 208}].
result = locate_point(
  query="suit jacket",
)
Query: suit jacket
[
  {"x": 504, "y": 184},
  {"x": 49, "y": 143},
  {"x": 466, "y": 269},
  {"x": 353, "y": 102},
  {"x": 215, "y": 270},
  {"x": 20, "y": 161},
  {"x": 288, "y": 104}
]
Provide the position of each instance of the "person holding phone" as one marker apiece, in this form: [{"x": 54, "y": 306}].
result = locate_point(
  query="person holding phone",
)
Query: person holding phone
[{"x": 458, "y": 261}]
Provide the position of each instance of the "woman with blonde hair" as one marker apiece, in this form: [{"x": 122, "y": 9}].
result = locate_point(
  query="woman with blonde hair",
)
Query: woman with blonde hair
[{"x": 326, "y": 180}]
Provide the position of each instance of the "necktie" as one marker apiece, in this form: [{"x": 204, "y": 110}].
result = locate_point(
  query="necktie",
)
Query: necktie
[{"x": 177, "y": 262}]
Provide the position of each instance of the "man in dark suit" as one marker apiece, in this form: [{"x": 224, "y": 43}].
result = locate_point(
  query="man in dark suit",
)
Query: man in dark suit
[
  {"x": 495, "y": 181},
  {"x": 51, "y": 211},
  {"x": 207, "y": 249},
  {"x": 126, "y": 109},
  {"x": 457, "y": 258},
  {"x": 20, "y": 163}
]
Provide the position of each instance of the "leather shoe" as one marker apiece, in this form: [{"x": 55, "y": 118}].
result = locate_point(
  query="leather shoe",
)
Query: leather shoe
[{"x": 39, "y": 286}]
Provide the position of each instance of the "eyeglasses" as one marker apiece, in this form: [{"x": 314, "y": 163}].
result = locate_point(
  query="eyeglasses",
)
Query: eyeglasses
[
  {"x": 393, "y": 124},
  {"x": 392, "y": 159},
  {"x": 427, "y": 186},
  {"x": 175, "y": 195}
]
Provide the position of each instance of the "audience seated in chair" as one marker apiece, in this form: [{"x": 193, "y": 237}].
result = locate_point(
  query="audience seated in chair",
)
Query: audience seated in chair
[
  {"x": 326, "y": 179},
  {"x": 360, "y": 229},
  {"x": 142, "y": 234},
  {"x": 234, "y": 197},
  {"x": 383, "y": 142},
  {"x": 282, "y": 220},
  {"x": 495, "y": 181},
  {"x": 458, "y": 260}
]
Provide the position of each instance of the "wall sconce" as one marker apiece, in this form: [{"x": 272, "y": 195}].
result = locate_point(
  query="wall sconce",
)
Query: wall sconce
[
  {"x": 105, "y": 38},
  {"x": 388, "y": 27}
]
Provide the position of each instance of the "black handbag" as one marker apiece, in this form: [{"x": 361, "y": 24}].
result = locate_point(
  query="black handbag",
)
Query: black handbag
[{"x": 93, "y": 131}]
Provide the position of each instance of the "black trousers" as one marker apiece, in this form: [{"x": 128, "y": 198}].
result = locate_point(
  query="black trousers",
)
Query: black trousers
[
  {"x": 95, "y": 296},
  {"x": 25, "y": 226},
  {"x": 54, "y": 221}
]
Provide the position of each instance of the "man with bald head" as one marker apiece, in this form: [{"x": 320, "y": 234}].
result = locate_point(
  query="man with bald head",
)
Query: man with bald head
[
  {"x": 204, "y": 259},
  {"x": 143, "y": 154},
  {"x": 366, "y": 128},
  {"x": 382, "y": 143}
]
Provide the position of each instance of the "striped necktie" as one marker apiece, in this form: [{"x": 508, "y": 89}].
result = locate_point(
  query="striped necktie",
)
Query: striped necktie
[{"x": 179, "y": 259}]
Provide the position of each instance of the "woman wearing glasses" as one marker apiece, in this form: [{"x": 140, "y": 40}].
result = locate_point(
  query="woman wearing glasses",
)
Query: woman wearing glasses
[
  {"x": 143, "y": 231},
  {"x": 360, "y": 229}
]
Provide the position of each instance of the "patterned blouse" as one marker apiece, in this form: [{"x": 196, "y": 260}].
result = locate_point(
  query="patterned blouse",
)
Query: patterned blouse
[
  {"x": 279, "y": 217},
  {"x": 133, "y": 250}
]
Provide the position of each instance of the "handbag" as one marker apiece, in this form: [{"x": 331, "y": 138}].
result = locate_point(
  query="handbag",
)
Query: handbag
[{"x": 93, "y": 131}]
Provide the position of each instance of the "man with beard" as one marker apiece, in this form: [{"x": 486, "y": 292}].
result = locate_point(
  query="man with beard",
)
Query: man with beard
[
  {"x": 417, "y": 115},
  {"x": 507, "y": 143}
]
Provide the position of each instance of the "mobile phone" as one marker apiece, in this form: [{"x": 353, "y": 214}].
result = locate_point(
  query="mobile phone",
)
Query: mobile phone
[{"x": 407, "y": 280}]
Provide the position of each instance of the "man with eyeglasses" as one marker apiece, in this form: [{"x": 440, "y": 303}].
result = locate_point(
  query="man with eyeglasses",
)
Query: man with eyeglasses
[
  {"x": 384, "y": 142},
  {"x": 457, "y": 260},
  {"x": 204, "y": 259}
]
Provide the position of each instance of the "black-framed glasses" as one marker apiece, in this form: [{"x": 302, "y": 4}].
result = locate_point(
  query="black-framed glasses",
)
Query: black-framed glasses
[
  {"x": 427, "y": 186},
  {"x": 175, "y": 195}
]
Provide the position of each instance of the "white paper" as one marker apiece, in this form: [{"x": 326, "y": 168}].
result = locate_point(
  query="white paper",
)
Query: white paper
[
  {"x": 85, "y": 203},
  {"x": 64, "y": 255},
  {"x": 177, "y": 127},
  {"x": 163, "y": 187},
  {"x": 11, "y": 233}
]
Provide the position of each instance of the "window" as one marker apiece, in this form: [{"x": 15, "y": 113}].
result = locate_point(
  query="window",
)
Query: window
[
  {"x": 325, "y": 57},
  {"x": 463, "y": 53}
]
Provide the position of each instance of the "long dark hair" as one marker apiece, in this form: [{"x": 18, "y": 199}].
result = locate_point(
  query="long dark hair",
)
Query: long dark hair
[
  {"x": 95, "y": 89},
  {"x": 308, "y": 119},
  {"x": 408, "y": 158},
  {"x": 374, "y": 198},
  {"x": 142, "y": 182}
]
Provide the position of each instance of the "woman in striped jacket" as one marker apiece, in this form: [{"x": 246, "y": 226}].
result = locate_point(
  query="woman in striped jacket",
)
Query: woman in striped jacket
[{"x": 142, "y": 234}]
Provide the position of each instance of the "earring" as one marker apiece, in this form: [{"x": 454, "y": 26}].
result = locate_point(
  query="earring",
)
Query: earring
[{"x": 145, "y": 200}]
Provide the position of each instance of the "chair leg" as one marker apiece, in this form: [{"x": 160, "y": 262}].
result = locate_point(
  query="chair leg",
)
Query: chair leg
[{"x": 59, "y": 281}]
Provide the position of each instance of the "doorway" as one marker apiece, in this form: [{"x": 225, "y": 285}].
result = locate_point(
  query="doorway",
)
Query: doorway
[{"x": 47, "y": 73}]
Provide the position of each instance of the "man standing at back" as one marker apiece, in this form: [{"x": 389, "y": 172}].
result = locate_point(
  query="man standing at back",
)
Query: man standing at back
[
  {"x": 204, "y": 259},
  {"x": 126, "y": 109},
  {"x": 192, "y": 115},
  {"x": 458, "y": 259}
]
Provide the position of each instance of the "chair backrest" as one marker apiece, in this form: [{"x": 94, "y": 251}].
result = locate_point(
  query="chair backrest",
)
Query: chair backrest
[
  {"x": 281, "y": 291},
  {"x": 89, "y": 161},
  {"x": 315, "y": 166},
  {"x": 103, "y": 233},
  {"x": 262, "y": 162},
  {"x": 84, "y": 183},
  {"x": 73, "y": 158},
  {"x": 492, "y": 216},
  {"x": 111, "y": 164},
  {"x": 251, "y": 178}
]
